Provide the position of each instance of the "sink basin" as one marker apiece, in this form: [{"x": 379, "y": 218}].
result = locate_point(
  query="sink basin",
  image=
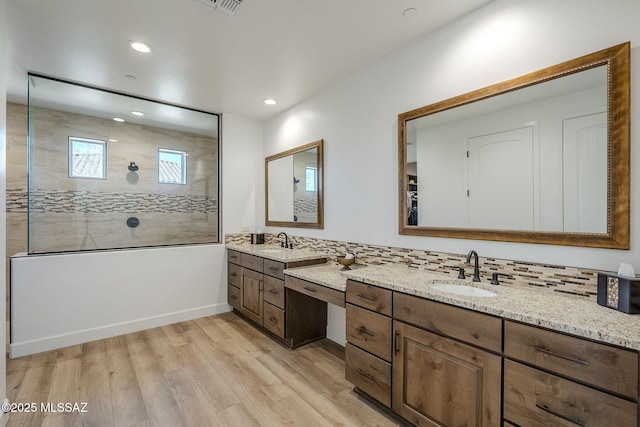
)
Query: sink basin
[
  {"x": 465, "y": 290},
  {"x": 271, "y": 251}
]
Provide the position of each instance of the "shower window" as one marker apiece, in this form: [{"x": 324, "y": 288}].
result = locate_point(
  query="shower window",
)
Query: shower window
[
  {"x": 87, "y": 158},
  {"x": 125, "y": 202},
  {"x": 311, "y": 181},
  {"x": 172, "y": 167}
]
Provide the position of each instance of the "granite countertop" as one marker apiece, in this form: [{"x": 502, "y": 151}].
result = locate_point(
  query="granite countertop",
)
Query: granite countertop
[
  {"x": 328, "y": 274},
  {"x": 564, "y": 313},
  {"x": 276, "y": 253},
  {"x": 574, "y": 315}
]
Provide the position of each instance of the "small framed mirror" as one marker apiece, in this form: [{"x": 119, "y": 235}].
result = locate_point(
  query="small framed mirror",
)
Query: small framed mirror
[
  {"x": 542, "y": 158},
  {"x": 294, "y": 187}
]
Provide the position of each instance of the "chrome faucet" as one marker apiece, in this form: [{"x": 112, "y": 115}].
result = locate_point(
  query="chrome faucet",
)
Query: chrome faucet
[
  {"x": 476, "y": 268},
  {"x": 284, "y": 244}
]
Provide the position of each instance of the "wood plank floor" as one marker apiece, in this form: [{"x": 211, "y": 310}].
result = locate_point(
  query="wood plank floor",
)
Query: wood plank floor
[{"x": 214, "y": 371}]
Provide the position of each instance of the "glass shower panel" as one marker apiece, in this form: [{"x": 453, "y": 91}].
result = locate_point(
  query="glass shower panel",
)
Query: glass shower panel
[{"x": 98, "y": 183}]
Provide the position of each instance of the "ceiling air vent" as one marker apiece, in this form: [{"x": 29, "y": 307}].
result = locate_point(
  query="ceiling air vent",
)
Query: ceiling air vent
[{"x": 227, "y": 7}]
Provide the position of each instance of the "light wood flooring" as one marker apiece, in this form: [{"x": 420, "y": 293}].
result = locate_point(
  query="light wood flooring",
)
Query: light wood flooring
[{"x": 214, "y": 371}]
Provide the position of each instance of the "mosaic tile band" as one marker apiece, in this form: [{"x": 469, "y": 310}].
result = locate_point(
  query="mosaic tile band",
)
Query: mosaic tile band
[
  {"x": 566, "y": 280},
  {"x": 59, "y": 201}
]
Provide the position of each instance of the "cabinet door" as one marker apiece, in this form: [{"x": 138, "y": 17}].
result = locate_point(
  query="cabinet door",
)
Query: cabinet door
[
  {"x": 537, "y": 398},
  {"x": 233, "y": 296},
  {"x": 251, "y": 294},
  {"x": 441, "y": 382}
]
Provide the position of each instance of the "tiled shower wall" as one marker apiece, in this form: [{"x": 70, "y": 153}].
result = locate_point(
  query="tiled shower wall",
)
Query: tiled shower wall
[
  {"x": 554, "y": 278},
  {"x": 69, "y": 214}
]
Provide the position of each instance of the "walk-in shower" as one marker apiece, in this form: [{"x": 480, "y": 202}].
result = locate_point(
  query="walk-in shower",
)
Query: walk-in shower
[{"x": 108, "y": 171}]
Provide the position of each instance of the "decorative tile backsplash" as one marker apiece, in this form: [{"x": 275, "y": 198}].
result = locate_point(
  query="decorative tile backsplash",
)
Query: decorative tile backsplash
[
  {"x": 62, "y": 201},
  {"x": 555, "y": 278}
]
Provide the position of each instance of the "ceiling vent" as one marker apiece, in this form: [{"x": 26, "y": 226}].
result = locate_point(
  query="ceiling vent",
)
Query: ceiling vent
[{"x": 227, "y": 7}]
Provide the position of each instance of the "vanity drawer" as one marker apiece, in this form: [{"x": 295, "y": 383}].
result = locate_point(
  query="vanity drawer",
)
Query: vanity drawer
[
  {"x": 274, "y": 319},
  {"x": 601, "y": 365},
  {"x": 371, "y": 297},
  {"x": 233, "y": 256},
  {"x": 274, "y": 268},
  {"x": 274, "y": 291},
  {"x": 369, "y": 373},
  {"x": 233, "y": 274},
  {"x": 536, "y": 398},
  {"x": 369, "y": 331},
  {"x": 465, "y": 325},
  {"x": 320, "y": 292},
  {"x": 252, "y": 262},
  {"x": 233, "y": 296}
]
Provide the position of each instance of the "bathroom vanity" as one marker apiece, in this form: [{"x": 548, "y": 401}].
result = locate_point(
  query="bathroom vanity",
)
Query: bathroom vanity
[
  {"x": 522, "y": 357},
  {"x": 256, "y": 289},
  {"x": 438, "y": 359}
]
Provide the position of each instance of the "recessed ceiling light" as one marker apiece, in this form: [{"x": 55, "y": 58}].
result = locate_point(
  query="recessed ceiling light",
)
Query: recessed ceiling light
[
  {"x": 113, "y": 140},
  {"x": 140, "y": 46},
  {"x": 137, "y": 113},
  {"x": 118, "y": 119},
  {"x": 270, "y": 101}
]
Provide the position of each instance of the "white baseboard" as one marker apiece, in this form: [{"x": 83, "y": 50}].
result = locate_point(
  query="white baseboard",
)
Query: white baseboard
[{"x": 18, "y": 349}]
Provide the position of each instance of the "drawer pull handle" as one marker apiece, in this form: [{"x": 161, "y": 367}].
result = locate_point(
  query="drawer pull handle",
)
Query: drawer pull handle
[
  {"x": 571, "y": 420},
  {"x": 396, "y": 347},
  {"x": 366, "y": 374},
  {"x": 272, "y": 319},
  {"x": 562, "y": 356},
  {"x": 234, "y": 274},
  {"x": 363, "y": 330},
  {"x": 273, "y": 292},
  {"x": 307, "y": 288},
  {"x": 367, "y": 297}
]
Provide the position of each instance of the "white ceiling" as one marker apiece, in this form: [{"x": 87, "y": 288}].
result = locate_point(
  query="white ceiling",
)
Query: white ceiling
[{"x": 284, "y": 49}]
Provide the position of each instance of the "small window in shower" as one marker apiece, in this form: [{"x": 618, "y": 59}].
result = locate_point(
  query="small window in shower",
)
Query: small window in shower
[
  {"x": 87, "y": 158},
  {"x": 311, "y": 182},
  {"x": 172, "y": 166}
]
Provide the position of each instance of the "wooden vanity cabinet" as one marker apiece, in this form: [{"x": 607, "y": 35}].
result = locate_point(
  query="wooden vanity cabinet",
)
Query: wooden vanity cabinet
[
  {"x": 368, "y": 333},
  {"x": 447, "y": 366},
  {"x": 551, "y": 378},
  {"x": 256, "y": 290}
]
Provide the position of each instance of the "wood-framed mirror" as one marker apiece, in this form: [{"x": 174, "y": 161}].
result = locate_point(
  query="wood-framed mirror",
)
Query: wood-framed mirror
[
  {"x": 294, "y": 183},
  {"x": 542, "y": 158}
]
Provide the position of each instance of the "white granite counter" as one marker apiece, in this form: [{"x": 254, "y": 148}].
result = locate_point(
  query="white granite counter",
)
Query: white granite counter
[
  {"x": 564, "y": 313},
  {"x": 328, "y": 274},
  {"x": 276, "y": 253}
]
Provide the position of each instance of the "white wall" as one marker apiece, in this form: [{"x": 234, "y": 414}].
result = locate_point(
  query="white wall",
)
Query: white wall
[
  {"x": 3, "y": 180},
  {"x": 357, "y": 117},
  {"x": 242, "y": 174},
  {"x": 60, "y": 300}
]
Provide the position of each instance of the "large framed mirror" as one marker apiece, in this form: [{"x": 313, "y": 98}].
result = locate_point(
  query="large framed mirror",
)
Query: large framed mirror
[
  {"x": 294, "y": 187},
  {"x": 542, "y": 158}
]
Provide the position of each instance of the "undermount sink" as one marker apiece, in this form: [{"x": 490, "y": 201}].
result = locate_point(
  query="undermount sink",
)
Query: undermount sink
[{"x": 465, "y": 290}]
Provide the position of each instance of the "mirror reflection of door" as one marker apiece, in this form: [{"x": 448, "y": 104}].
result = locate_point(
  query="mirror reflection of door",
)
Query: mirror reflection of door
[
  {"x": 584, "y": 141},
  {"x": 500, "y": 180}
]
